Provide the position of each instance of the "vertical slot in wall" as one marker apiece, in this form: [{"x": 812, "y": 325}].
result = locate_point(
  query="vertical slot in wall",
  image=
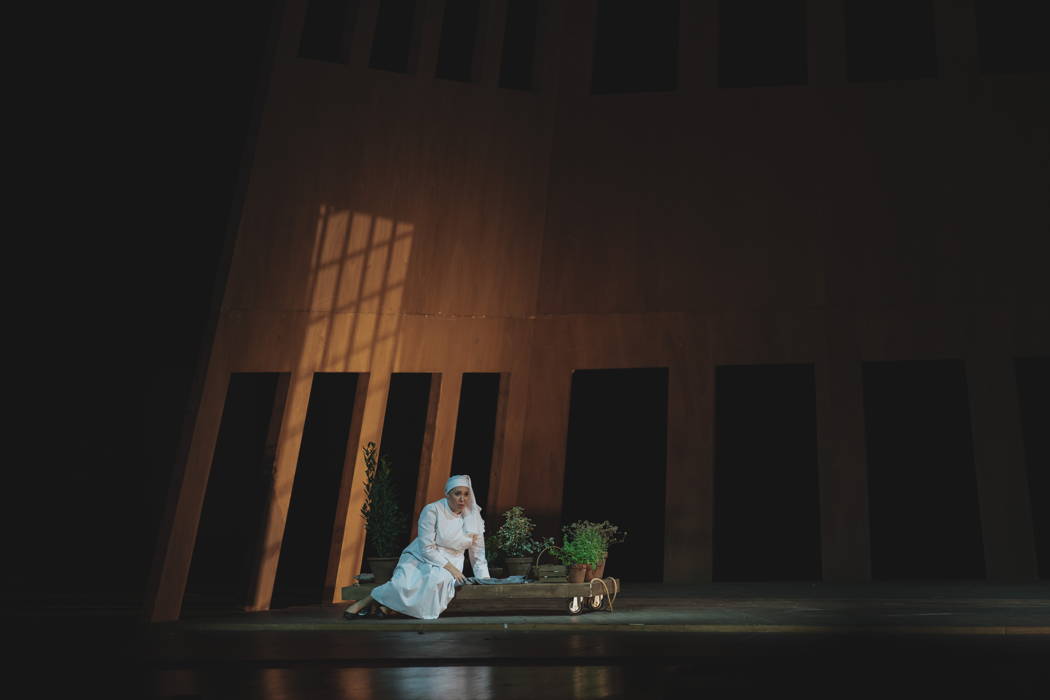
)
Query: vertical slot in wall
[
  {"x": 922, "y": 482},
  {"x": 635, "y": 47},
  {"x": 327, "y": 29},
  {"x": 311, "y": 524},
  {"x": 616, "y": 463},
  {"x": 459, "y": 38},
  {"x": 226, "y": 550},
  {"x": 476, "y": 431},
  {"x": 404, "y": 428},
  {"x": 762, "y": 43},
  {"x": 518, "y": 61},
  {"x": 766, "y": 481},
  {"x": 1033, "y": 396},
  {"x": 396, "y": 36}
]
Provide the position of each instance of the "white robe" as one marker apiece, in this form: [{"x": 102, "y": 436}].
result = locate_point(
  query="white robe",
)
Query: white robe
[{"x": 420, "y": 585}]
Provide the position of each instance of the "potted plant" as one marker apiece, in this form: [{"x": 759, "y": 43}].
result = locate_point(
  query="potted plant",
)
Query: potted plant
[
  {"x": 610, "y": 534},
  {"x": 384, "y": 523},
  {"x": 513, "y": 539},
  {"x": 494, "y": 557},
  {"x": 580, "y": 551}
]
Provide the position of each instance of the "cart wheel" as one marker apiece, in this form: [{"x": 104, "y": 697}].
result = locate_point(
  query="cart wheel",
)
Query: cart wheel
[
  {"x": 576, "y": 605},
  {"x": 596, "y": 602}
]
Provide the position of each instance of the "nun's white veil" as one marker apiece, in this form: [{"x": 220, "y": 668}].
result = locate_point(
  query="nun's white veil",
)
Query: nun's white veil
[{"x": 472, "y": 513}]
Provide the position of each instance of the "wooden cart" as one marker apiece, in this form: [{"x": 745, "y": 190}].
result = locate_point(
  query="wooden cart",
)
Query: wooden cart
[{"x": 598, "y": 594}]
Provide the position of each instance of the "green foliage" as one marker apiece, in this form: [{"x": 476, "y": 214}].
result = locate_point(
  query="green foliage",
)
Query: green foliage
[
  {"x": 492, "y": 551},
  {"x": 609, "y": 533},
  {"x": 514, "y": 536},
  {"x": 586, "y": 546},
  {"x": 384, "y": 522}
]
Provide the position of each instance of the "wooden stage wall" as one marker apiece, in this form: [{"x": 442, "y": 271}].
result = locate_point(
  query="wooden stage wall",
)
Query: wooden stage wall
[{"x": 400, "y": 223}]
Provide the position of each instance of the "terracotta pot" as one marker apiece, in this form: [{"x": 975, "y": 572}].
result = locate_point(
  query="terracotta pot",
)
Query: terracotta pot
[
  {"x": 596, "y": 572},
  {"x": 577, "y": 573},
  {"x": 517, "y": 566},
  {"x": 382, "y": 567}
]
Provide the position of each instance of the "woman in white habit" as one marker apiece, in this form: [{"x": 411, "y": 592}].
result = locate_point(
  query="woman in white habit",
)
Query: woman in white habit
[{"x": 424, "y": 580}]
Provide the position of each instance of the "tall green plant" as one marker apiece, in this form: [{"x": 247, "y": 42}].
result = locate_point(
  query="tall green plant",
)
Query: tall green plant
[
  {"x": 585, "y": 547},
  {"x": 609, "y": 533},
  {"x": 384, "y": 522}
]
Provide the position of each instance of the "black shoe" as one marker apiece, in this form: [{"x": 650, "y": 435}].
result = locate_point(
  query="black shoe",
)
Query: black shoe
[
  {"x": 347, "y": 615},
  {"x": 380, "y": 614}
]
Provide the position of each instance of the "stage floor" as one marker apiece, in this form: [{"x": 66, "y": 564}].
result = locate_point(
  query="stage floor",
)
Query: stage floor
[{"x": 869, "y": 640}]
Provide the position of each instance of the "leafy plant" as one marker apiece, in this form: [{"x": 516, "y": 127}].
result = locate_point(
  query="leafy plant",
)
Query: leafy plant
[
  {"x": 492, "y": 551},
  {"x": 609, "y": 533},
  {"x": 514, "y": 538},
  {"x": 586, "y": 546},
  {"x": 384, "y": 522}
]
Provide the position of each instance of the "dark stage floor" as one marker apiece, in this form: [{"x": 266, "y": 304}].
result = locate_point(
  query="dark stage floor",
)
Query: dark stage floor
[{"x": 740, "y": 640}]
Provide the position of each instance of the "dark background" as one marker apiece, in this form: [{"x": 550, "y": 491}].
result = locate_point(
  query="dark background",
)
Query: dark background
[
  {"x": 157, "y": 108},
  {"x": 140, "y": 124}
]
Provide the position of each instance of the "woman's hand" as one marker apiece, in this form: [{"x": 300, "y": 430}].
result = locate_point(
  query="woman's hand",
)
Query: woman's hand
[{"x": 456, "y": 573}]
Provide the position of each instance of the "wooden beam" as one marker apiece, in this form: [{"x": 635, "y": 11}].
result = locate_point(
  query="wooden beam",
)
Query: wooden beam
[
  {"x": 956, "y": 31},
  {"x": 576, "y": 47},
  {"x": 364, "y": 30},
  {"x": 841, "y": 456},
  {"x": 689, "y": 496},
  {"x": 351, "y": 475},
  {"x": 291, "y": 29},
  {"x": 506, "y": 445},
  {"x": 998, "y": 449},
  {"x": 273, "y": 438},
  {"x": 825, "y": 43},
  {"x": 178, "y": 532},
  {"x": 488, "y": 53},
  {"x": 541, "y": 486},
  {"x": 426, "y": 453},
  {"x": 435, "y": 462},
  {"x": 352, "y": 542},
  {"x": 285, "y": 462},
  {"x": 429, "y": 18},
  {"x": 698, "y": 45}
]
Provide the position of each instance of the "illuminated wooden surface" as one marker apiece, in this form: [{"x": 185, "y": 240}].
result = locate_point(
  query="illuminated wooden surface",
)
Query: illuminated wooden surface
[{"x": 405, "y": 224}]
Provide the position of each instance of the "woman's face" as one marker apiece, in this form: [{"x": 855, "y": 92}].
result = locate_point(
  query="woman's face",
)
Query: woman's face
[{"x": 458, "y": 498}]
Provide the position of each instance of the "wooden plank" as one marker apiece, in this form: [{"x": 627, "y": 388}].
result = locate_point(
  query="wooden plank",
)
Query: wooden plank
[
  {"x": 698, "y": 45},
  {"x": 826, "y": 47},
  {"x": 689, "y": 495},
  {"x": 998, "y": 449},
  {"x": 342, "y": 515},
  {"x": 287, "y": 459},
  {"x": 488, "y": 51},
  {"x": 841, "y": 455},
  {"x": 497, "y": 591},
  {"x": 178, "y": 532},
  {"x": 426, "y": 454},
  {"x": 377, "y": 389}
]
